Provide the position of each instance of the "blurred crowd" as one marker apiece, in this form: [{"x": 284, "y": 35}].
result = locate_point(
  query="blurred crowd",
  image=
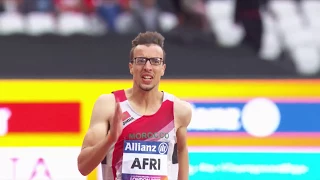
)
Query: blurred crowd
[
  {"x": 270, "y": 27},
  {"x": 99, "y": 16}
]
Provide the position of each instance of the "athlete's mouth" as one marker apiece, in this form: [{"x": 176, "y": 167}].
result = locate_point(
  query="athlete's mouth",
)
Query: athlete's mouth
[{"x": 147, "y": 77}]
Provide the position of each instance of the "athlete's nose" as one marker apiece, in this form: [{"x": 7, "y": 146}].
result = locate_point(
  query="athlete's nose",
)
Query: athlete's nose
[{"x": 148, "y": 66}]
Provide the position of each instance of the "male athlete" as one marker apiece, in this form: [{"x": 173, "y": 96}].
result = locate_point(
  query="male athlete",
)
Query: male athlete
[{"x": 141, "y": 132}]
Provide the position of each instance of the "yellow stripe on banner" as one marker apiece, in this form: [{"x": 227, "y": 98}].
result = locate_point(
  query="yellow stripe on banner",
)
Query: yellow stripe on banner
[
  {"x": 23, "y": 90},
  {"x": 41, "y": 139},
  {"x": 243, "y": 88},
  {"x": 87, "y": 91}
]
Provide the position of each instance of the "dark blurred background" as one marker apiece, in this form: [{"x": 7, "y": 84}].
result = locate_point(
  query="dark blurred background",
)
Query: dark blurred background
[{"x": 204, "y": 38}]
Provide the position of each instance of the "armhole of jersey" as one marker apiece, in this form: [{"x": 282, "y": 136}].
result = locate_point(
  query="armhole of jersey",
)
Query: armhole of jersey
[
  {"x": 175, "y": 149},
  {"x": 175, "y": 154}
]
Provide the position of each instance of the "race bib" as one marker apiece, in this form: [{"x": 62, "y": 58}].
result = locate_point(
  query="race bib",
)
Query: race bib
[{"x": 145, "y": 160}]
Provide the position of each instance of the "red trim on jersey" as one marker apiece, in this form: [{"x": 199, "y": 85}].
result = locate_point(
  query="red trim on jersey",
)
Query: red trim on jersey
[
  {"x": 153, "y": 123},
  {"x": 120, "y": 95}
]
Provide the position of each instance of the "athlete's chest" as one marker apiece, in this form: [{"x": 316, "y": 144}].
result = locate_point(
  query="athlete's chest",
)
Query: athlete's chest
[
  {"x": 158, "y": 126},
  {"x": 155, "y": 127}
]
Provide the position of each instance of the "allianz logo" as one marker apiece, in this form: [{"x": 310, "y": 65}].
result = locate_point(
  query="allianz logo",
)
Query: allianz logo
[
  {"x": 133, "y": 146},
  {"x": 259, "y": 117}
]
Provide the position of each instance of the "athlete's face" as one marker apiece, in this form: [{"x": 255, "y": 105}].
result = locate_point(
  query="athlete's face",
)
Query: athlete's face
[{"x": 147, "y": 66}]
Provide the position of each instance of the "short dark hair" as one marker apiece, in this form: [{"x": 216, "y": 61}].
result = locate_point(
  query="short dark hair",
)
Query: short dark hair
[{"x": 148, "y": 38}]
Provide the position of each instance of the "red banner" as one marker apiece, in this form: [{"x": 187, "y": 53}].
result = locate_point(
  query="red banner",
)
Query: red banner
[{"x": 41, "y": 117}]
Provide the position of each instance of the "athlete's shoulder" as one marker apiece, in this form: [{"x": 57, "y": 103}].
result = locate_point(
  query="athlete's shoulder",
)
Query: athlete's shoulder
[
  {"x": 182, "y": 111},
  {"x": 179, "y": 104},
  {"x": 106, "y": 98},
  {"x": 111, "y": 97},
  {"x": 103, "y": 109},
  {"x": 105, "y": 102},
  {"x": 182, "y": 104}
]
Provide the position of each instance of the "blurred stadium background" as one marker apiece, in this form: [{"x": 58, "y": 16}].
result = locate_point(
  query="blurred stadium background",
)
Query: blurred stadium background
[{"x": 250, "y": 68}]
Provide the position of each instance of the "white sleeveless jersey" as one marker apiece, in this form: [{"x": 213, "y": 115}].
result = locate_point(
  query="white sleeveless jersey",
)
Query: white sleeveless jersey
[{"x": 158, "y": 127}]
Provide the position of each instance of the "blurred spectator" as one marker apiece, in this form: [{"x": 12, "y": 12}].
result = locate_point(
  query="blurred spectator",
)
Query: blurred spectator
[
  {"x": 248, "y": 15},
  {"x": 142, "y": 15},
  {"x": 2, "y": 9},
  {"x": 192, "y": 13},
  {"x": 108, "y": 11},
  {"x": 146, "y": 15},
  {"x": 89, "y": 6},
  {"x": 78, "y": 6},
  {"x": 75, "y": 17},
  {"x": 46, "y": 6},
  {"x": 11, "y": 5}
]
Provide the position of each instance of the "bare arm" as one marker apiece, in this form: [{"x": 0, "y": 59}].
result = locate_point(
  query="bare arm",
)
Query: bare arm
[
  {"x": 183, "y": 113},
  {"x": 96, "y": 142}
]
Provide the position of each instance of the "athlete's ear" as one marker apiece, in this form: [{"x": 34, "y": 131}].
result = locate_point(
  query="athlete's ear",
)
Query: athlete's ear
[
  {"x": 130, "y": 68},
  {"x": 163, "y": 69}
]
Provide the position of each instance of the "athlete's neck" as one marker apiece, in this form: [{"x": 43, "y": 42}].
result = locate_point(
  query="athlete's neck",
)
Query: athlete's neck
[{"x": 145, "y": 101}]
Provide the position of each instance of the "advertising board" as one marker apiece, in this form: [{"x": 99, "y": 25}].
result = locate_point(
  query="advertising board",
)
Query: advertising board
[
  {"x": 254, "y": 163},
  {"x": 226, "y": 112},
  {"x": 56, "y": 113},
  {"x": 35, "y": 163},
  {"x": 258, "y": 117}
]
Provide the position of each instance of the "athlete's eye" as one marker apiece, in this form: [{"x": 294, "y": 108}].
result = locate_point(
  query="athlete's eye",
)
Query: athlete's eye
[{"x": 143, "y": 60}]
